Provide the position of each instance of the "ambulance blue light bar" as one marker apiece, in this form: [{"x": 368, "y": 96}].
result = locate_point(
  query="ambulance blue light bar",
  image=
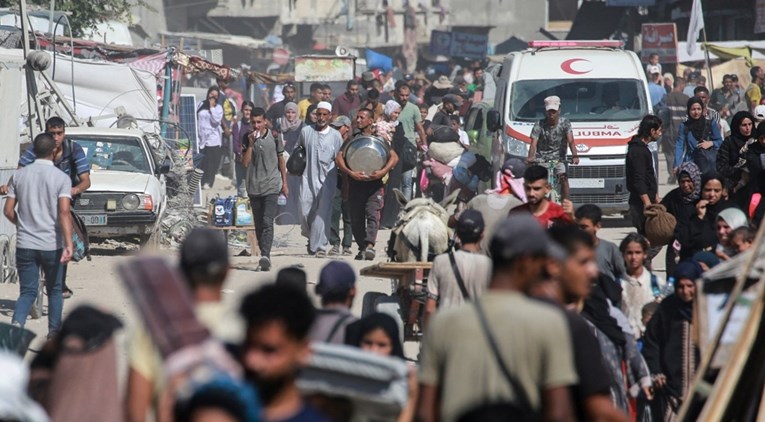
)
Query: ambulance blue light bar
[{"x": 564, "y": 43}]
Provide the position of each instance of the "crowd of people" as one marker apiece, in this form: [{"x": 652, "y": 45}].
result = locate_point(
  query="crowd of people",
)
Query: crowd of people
[
  {"x": 605, "y": 336},
  {"x": 408, "y": 114}
]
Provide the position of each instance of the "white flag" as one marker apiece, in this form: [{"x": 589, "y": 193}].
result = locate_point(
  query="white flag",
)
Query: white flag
[{"x": 694, "y": 26}]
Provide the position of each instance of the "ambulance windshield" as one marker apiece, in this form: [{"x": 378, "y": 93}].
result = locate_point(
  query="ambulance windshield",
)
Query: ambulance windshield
[{"x": 582, "y": 100}]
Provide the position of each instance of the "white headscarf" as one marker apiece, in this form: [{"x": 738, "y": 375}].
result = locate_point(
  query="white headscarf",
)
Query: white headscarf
[{"x": 390, "y": 107}]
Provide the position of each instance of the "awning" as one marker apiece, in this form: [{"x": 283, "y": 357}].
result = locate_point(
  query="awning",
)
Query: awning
[
  {"x": 233, "y": 40},
  {"x": 595, "y": 21},
  {"x": 723, "y": 50}
]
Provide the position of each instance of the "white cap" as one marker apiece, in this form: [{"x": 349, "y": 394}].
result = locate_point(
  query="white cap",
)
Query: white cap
[
  {"x": 759, "y": 113},
  {"x": 325, "y": 105},
  {"x": 552, "y": 103},
  {"x": 653, "y": 69}
]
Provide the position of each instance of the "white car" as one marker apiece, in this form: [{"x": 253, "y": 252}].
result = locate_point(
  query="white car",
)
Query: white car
[{"x": 127, "y": 196}]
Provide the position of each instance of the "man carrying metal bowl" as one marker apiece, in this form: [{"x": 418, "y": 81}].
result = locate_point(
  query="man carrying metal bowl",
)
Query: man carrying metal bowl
[{"x": 366, "y": 160}]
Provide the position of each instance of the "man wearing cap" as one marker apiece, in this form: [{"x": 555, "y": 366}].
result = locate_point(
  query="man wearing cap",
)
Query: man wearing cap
[
  {"x": 347, "y": 102},
  {"x": 759, "y": 114},
  {"x": 204, "y": 263},
  {"x": 550, "y": 138},
  {"x": 655, "y": 90},
  {"x": 317, "y": 94},
  {"x": 437, "y": 90},
  {"x": 365, "y": 193},
  {"x": 460, "y": 370},
  {"x": 337, "y": 288},
  {"x": 263, "y": 158},
  {"x": 277, "y": 109},
  {"x": 340, "y": 203},
  {"x": 754, "y": 90},
  {"x": 693, "y": 80},
  {"x": 444, "y": 290},
  {"x": 317, "y": 189}
]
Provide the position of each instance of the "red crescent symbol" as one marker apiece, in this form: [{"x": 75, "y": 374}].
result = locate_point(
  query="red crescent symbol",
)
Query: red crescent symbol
[{"x": 567, "y": 66}]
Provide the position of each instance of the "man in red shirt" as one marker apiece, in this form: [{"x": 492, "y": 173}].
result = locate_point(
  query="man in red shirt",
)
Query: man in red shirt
[{"x": 537, "y": 186}]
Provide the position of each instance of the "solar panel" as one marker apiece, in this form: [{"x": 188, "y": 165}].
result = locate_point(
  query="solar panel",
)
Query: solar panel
[{"x": 183, "y": 137}]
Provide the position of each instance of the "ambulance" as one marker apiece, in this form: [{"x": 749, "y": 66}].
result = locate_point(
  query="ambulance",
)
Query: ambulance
[{"x": 604, "y": 94}]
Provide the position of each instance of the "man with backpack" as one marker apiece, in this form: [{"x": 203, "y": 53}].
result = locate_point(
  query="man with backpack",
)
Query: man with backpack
[
  {"x": 69, "y": 158},
  {"x": 337, "y": 289},
  {"x": 263, "y": 157}
]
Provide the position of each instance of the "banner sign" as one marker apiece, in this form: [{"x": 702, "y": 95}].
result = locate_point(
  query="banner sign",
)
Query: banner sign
[
  {"x": 659, "y": 38},
  {"x": 458, "y": 44}
]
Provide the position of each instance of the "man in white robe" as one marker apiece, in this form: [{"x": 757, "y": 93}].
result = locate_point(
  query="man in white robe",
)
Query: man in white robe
[{"x": 317, "y": 190}]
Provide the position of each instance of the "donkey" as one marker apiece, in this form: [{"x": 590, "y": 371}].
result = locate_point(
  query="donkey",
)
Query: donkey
[{"x": 421, "y": 232}]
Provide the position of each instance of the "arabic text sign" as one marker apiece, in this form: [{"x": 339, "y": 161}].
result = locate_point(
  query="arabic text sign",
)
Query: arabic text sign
[
  {"x": 324, "y": 69},
  {"x": 659, "y": 38},
  {"x": 458, "y": 44}
]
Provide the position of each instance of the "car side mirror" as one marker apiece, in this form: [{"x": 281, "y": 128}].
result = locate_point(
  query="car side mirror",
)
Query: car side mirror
[
  {"x": 166, "y": 166},
  {"x": 493, "y": 120}
]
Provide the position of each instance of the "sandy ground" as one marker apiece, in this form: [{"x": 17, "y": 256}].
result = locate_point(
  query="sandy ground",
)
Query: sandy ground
[{"x": 96, "y": 282}]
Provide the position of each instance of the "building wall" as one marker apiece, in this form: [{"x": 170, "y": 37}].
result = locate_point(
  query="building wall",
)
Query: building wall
[{"x": 521, "y": 18}]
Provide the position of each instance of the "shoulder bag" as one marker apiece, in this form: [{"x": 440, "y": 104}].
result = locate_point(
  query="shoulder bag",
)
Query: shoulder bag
[
  {"x": 296, "y": 163},
  {"x": 522, "y": 403},
  {"x": 458, "y": 276}
]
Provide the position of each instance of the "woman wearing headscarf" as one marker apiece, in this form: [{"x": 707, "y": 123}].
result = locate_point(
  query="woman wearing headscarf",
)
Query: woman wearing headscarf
[
  {"x": 289, "y": 126},
  {"x": 699, "y": 234},
  {"x": 728, "y": 220},
  {"x": 210, "y": 132},
  {"x": 698, "y": 138},
  {"x": 629, "y": 374},
  {"x": 378, "y": 333},
  {"x": 391, "y": 205},
  {"x": 386, "y": 128},
  {"x": 681, "y": 203},
  {"x": 310, "y": 115},
  {"x": 668, "y": 346},
  {"x": 731, "y": 158}
]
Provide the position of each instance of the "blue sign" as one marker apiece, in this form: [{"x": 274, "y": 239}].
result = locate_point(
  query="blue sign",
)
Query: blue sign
[
  {"x": 459, "y": 44},
  {"x": 630, "y": 3}
]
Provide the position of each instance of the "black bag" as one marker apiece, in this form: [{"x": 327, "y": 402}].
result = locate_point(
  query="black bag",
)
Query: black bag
[
  {"x": 481, "y": 168},
  {"x": 444, "y": 134},
  {"x": 407, "y": 153},
  {"x": 705, "y": 159},
  {"x": 296, "y": 163}
]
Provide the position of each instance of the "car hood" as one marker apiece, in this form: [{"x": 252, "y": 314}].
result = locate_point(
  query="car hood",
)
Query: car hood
[{"x": 118, "y": 181}]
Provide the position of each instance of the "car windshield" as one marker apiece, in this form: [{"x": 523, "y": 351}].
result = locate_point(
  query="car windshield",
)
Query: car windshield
[
  {"x": 582, "y": 100},
  {"x": 115, "y": 153}
]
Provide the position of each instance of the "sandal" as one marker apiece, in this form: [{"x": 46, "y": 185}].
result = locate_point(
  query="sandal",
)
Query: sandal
[
  {"x": 67, "y": 293},
  {"x": 320, "y": 254}
]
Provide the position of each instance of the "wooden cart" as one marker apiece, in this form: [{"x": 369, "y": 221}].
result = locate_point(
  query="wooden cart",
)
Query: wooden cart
[{"x": 409, "y": 293}]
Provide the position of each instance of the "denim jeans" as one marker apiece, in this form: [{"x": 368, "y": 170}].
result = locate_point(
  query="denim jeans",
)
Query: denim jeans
[
  {"x": 407, "y": 184},
  {"x": 28, "y": 264},
  {"x": 241, "y": 179}
]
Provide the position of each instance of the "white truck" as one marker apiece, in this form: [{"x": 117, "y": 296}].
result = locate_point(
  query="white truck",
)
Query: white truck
[{"x": 604, "y": 94}]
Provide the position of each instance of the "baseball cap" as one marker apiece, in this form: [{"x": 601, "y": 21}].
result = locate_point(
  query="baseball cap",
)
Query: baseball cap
[
  {"x": 552, "y": 103},
  {"x": 470, "y": 224},
  {"x": 337, "y": 276},
  {"x": 759, "y": 113},
  {"x": 520, "y": 234},
  {"x": 653, "y": 69},
  {"x": 341, "y": 121},
  {"x": 204, "y": 251},
  {"x": 368, "y": 76}
]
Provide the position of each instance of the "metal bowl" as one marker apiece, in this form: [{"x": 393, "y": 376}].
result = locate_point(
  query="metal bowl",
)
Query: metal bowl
[{"x": 366, "y": 153}]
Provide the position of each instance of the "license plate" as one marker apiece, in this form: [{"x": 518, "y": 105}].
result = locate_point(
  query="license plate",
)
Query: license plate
[
  {"x": 94, "y": 219},
  {"x": 586, "y": 183}
]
